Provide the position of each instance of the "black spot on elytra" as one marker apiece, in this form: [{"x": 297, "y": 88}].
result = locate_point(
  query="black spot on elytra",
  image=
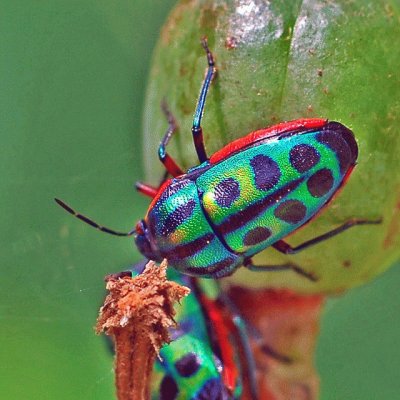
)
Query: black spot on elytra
[
  {"x": 256, "y": 236},
  {"x": 226, "y": 192},
  {"x": 291, "y": 211},
  {"x": 341, "y": 140},
  {"x": 237, "y": 220},
  {"x": 213, "y": 389},
  {"x": 266, "y": 172},
  {"x": 168, "y": 389},
  {"x": 189, "y": 249},
  {"x": 320, "y": 183},
  {"x": 303, "y": 157},
  {"x": 177, "y": 217},
  {"x": 188, "y": 365}
]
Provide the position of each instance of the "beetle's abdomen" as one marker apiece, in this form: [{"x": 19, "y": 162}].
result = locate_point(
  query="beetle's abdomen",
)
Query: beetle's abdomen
[
  {"x": 184, "y": 236},
  {"x": 262, "y": 193}
]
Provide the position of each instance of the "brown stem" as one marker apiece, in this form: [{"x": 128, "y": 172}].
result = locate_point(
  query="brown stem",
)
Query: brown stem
[
  {"x": 137, "y": 314},
  {"x": 134, "y": 363}
]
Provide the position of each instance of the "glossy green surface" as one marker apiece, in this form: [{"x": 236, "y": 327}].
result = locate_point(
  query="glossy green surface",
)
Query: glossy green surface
[
  {"x": 189, "y": 387},
  {"x": 73, "y": 76},
  {"x": 280, "y": 61},
  {"x": 183, "y": 235},
  {"x": 238, "y": 168}
]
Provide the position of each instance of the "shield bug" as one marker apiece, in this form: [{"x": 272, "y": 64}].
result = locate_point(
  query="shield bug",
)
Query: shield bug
[
  {"x": 249, "y": 195},
  {"x": 209, "y": 356}
]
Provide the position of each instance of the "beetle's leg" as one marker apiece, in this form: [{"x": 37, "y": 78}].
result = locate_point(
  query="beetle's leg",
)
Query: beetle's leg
[
  {"x": 134, "y": 270},
  {"x": 149, "y": 190},
  {"x": 248, "y": 263},
  {"x": 197, "y": 130},
  {"x": 285, "y": 248},
  {"x": 146, "y": 189},
  {"x": 250, "y": 366},
  {"x": 276, "y": 355},
  {"x": 249, "y": 329},
  {"x": 169, "y": 163}
]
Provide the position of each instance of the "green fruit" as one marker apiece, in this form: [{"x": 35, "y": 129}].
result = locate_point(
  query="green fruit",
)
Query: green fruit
[{"x": 281, "y": 61}]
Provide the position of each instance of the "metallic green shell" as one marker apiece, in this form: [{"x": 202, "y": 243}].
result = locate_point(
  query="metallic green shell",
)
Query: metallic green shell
[
  {"x": 238, "y": 169},
  {"x": 184, "y": 236},
  {"x": 249, "y": 196}
]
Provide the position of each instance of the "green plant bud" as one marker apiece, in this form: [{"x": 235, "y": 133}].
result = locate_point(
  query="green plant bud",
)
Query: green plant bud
[{"x": 279, "y": 61}]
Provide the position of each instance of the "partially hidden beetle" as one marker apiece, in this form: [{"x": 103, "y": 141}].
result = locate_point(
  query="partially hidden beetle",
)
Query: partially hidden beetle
[
  {"x": 209, "y": 356},
  {"x": 244, "y": 198}
]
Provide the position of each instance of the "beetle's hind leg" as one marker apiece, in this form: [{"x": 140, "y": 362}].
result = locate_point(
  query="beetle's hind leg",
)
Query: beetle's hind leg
[
  {"x": 248, "y": 263},
  {"x": 197, "y": 130},
  {"x": 285, "y": 248}
]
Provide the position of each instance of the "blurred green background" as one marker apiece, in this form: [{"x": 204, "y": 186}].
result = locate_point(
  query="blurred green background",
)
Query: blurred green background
[{"x": 73, "y": 76}]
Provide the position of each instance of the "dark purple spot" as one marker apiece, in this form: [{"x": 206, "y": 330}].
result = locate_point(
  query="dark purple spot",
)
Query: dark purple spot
[
  {"x": 256, "y": 236},
  {"x": 226, "y": 192},
  {"x": 320, "y": 183},
  {"x": 266, "y": 172},
  {"x": 188, "y": 249},
  {"x": 237, "y": 220},
  {"x": 303, "y": 157},
  {"x": 168, "y": 389},
  {"x": 175, "y": 186},
  {"x": 341, "y": 140},
  {"x": 213, "y": 389},
  {"x": 291, "y": 211},
  {"x": 177, "y": 217},
  {"x": 188, "y": 365}
]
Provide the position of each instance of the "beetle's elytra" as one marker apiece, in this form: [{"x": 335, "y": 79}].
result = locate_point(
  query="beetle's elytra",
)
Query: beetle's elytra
[{"x": 245, "y": 197}]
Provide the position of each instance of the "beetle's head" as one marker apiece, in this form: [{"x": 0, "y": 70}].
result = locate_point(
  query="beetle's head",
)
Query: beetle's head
[{"x": 145, "y": 243}]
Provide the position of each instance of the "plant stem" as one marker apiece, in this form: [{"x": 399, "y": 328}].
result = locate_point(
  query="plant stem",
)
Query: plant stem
[{"x": 137, "y": 313}]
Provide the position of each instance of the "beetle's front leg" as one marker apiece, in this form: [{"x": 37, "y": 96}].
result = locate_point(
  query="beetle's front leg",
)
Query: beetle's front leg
[
  {"x": 169, "y": 163},
  {"x": 197, "y": 130},
  {"x": 248, "y": 263},
  {"x": 171, "y": 166}
]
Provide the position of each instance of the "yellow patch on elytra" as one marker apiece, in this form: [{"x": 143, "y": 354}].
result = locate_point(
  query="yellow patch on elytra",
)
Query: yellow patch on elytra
[{"x": 177, "y": 236}]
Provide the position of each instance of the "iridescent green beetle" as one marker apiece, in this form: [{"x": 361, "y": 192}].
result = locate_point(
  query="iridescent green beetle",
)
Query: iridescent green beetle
[
  {"x": 247, "y": 196},
  {"x": 209, "y": 356}
]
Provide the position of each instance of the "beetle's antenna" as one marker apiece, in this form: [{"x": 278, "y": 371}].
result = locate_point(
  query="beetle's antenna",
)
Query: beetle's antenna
[{"x": 90, "y": 222}]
